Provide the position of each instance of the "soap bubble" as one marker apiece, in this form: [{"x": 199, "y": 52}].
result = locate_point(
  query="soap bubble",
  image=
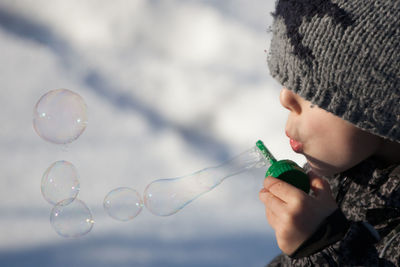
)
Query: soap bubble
[
  {"x": 123, "y": 203},
  {"x": 60, "y": 116},
  {"x": 60, "y": 182},
  {"x": 165, "y": 197},
  {"x": 71, "y": 220}
]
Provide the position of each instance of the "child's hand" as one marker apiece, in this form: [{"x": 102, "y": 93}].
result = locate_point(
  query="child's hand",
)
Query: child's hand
[{"x": 293, "y": 214}]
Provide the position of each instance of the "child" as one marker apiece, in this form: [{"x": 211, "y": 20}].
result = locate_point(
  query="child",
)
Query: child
[{"x": 340, "y": 63}]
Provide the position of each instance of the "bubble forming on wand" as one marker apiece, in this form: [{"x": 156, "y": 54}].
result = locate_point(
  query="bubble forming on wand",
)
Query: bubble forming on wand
[{"x": 165, "y": 197}]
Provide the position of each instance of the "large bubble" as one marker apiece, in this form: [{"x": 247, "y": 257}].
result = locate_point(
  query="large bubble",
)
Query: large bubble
[
  {"x": 164, "y": 197},
  {"x": 60, "y": 116}
]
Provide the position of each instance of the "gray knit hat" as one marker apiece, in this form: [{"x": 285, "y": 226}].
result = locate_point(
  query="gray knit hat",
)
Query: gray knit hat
[{"x": 343, "y": 56}]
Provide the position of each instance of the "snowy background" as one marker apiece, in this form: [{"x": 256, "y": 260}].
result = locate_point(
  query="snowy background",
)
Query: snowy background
[{"x": 171, "y": 87}]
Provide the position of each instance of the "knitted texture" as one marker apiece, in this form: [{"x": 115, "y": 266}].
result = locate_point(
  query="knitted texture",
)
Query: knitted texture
[{"x": 343, "y": 56}]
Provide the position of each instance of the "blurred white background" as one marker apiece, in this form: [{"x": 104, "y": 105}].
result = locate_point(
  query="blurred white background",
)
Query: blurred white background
[{"x": 172, "y": 87}]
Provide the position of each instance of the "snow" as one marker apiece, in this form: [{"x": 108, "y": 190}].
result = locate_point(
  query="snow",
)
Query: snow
[{"x": 171, "y": 87}]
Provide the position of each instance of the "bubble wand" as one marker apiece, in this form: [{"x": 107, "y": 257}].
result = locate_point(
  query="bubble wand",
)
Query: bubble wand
[{"x": 286, "y": 170}]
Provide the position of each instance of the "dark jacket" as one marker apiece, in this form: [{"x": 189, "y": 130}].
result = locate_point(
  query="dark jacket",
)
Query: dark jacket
[{"x": 365, "y": 230}]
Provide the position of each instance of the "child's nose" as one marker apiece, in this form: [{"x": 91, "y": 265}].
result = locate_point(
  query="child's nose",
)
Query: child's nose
[{"x": 290, "y": 100}]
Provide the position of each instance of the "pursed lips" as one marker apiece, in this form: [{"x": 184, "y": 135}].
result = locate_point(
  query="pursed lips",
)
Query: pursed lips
[{"x": 296, "y": 145}]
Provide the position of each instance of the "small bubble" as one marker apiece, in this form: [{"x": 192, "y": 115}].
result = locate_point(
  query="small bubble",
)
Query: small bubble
[
  {"x": 123, "y": 203},
  {"x": 60, "y": 182},
  {"x": 71, "y": 220}
]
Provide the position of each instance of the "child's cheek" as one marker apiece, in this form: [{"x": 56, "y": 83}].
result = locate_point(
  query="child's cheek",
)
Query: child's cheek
[{"x": 324, "y": 147}]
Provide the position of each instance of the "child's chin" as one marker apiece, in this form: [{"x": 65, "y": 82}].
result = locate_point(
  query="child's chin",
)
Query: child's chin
[{"x": 322, "y": 171}]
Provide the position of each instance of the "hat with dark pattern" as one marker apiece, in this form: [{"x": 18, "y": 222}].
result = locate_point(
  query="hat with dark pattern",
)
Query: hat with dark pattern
[{"x": 343, "y": 56}]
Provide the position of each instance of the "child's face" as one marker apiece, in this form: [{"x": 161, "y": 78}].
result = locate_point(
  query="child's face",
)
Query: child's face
[{"x": 330, "y": 144}]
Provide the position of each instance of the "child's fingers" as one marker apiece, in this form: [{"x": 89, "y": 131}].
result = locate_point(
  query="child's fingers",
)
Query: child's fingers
[
  {"x": 282, "y": 190},
  {"x": 271, "y": 218},
  {"x": 319, "y": 186},
  {"x": 272, "y": 205},
  {"x": 263, "y": 195},
  {"x": 272, "y": 202}
]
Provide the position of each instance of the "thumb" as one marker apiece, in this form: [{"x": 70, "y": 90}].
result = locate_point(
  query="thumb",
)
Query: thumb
[{"x": 320, "y": 186}]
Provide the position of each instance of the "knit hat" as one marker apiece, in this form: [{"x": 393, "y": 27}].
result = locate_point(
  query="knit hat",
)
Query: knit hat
[{"x": 343, "y": 56}]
